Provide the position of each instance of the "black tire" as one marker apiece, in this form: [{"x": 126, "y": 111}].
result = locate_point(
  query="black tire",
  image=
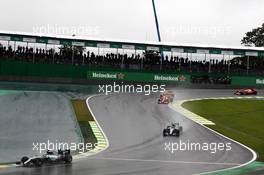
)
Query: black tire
[
  {"x": 68, "y": 159},
  {"x": 180, "y": 128},
  {"x": 24, "y": 159},
  {"x": 38, "y": 162},
  {"x": 176, "y": 133},
  {"x": 165, "y": 134}
]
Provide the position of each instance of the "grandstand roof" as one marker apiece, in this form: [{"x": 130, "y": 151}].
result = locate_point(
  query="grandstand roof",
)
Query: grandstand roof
[{"x": 125, "y": 44}]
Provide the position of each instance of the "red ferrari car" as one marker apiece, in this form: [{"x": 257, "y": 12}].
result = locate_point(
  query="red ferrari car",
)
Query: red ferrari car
[
  {"x": 163, "y": 99},
  {"x": 166, "y": 98},
  {"x": 169, "y": 94},
  {"x": 248, "y": 91}
]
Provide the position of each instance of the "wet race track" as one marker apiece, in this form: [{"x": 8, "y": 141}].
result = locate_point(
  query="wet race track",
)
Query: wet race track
[{"x": 133, "y": 124}]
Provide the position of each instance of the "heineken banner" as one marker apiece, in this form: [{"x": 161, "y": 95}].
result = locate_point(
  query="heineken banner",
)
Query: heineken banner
[
  {"x": 248, "y": 81},
  {"x": 139, "y": 77}
]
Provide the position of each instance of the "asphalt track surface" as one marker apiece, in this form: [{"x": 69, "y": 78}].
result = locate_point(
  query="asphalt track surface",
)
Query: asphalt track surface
[
  {"x": 34, "y": 117},
  {"x": 133, "y": 124}
]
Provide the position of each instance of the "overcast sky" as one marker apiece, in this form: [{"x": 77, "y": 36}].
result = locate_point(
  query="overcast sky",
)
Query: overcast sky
[{"x": 213, "y": 22}]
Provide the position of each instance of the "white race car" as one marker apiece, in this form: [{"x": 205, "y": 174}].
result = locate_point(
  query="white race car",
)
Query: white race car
[
  {"x": 62, "y": 156},
  {"x": 173, "y": 130}
]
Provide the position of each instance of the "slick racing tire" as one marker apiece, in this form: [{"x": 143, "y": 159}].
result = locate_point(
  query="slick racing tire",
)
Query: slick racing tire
[
  {"x": 176, "y": 133},
  {"x": 38, "y": 162},
  {"x": 68, "y": 159},
  {"x": 181, "y": 129}
]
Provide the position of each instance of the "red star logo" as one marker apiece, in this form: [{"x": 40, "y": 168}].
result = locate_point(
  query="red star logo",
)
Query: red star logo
[
  {"x": 182, "y": 78},
  {"x": 121, "y": 76}
]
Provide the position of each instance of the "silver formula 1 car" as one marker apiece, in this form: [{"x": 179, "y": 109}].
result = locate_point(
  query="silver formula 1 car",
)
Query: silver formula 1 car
[
  {"x": 62, "y": 156},
  {"x": 173, "y": 130}
]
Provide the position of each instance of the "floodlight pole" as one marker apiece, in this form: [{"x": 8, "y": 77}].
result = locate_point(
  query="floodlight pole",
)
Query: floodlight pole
[
  {"x": 156, "y": 20},
  {"x": 158, "y": 31}
]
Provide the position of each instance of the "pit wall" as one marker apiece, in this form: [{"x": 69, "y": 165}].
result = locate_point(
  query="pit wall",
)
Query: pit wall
[{"x": 59, "y": 73}]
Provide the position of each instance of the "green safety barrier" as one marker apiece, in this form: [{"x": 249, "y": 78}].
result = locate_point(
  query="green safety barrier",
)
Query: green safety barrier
[
  {"x": 18, "y": 68},
  {"x": 248, "y": 81},
  {"x": 41, "y": 70}
]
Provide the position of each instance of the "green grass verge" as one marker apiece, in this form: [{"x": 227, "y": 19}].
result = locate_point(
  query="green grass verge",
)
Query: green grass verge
[
  {"x": 239, "y": 119},
  {"x": 83, "y": 116},
  {"x": 253, "y": 168}
]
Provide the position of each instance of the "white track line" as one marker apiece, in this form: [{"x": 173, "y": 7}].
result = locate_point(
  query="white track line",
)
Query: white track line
[
  {"x": 252, "y": 151},
  {"x": 177, "y": 107},
  {"x": 104, "y": 135}
]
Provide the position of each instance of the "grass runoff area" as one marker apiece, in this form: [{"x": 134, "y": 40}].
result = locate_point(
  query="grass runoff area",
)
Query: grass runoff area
[
  {"x": 83, "y": 116},
  {"x": 239, "y": 119}
]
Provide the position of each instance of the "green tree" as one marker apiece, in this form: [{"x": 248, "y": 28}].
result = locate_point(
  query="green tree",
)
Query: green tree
[{"x": 255, "y": 37}]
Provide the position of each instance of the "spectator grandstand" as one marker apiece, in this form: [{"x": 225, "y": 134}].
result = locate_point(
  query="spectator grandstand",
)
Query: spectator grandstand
[{"x": 148, "y": 60}]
